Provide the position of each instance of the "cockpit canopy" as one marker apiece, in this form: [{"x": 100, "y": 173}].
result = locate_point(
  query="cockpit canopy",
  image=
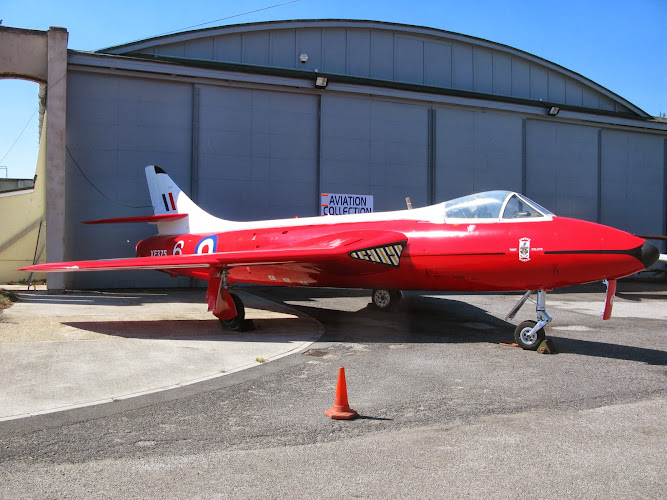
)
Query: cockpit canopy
[{"x": 494, "y": 205}]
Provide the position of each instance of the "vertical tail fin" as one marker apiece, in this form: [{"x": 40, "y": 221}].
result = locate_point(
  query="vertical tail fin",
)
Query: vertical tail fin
[{"x": 168, "y": 198}]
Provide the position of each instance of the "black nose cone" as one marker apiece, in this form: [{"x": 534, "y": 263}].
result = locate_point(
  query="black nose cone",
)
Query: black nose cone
[{"x": 649, "y": 254}]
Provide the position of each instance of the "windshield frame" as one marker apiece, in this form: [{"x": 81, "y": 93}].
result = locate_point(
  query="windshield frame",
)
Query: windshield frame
[{"x": 495, "y": 206}]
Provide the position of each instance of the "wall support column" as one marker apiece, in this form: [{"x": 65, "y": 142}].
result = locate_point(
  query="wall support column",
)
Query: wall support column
[{"x": 56, "y": 101}]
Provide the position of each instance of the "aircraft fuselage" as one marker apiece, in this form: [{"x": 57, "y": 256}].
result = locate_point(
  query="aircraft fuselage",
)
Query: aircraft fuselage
[{"x": 495, "y": 256}]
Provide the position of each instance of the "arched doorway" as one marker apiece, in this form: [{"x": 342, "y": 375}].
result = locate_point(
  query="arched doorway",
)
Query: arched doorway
[{"x": 41, "y": 56}]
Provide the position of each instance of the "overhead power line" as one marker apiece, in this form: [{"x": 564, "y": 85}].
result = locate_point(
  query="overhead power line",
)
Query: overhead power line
[
  {"x": 230, "y": 17},
  {"x": 223, "y": 19},
  {"x": 17, "y": 139},
  {"x": 98, "y": 189}
]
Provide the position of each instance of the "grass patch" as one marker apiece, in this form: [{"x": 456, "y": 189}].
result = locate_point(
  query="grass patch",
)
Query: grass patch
[
  {"x": 7, "y": 297},
  {"x": 260, "y": 360}
]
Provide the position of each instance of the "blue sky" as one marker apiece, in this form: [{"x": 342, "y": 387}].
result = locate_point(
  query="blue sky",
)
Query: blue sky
[{"x": 618, "y": 44}]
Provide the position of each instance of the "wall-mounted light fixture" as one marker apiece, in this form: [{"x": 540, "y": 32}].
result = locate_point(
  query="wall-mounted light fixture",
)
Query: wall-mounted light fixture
[
  {"x": 321, "y": 82},
  {"x": 553, "y": 111},
  {"x": 303, "y": 57}
]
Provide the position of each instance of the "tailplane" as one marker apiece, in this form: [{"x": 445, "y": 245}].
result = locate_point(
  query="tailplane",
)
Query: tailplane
[{"x": 168, "y": 199}]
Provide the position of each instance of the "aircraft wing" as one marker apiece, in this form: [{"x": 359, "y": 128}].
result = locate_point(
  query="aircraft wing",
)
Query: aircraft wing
[{"x": 381, "y": 249}]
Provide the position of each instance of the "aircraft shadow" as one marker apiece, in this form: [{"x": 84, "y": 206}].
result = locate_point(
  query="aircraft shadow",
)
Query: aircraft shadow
[
  {"x": 420, "y": 319},
  {"x": 639, "y": 297},
  {"x": 441, "y": 320},
  {"x": 270, "y": 329},
  {"x": 426, "y": 320},
  {"x": 612, "y": 351}
]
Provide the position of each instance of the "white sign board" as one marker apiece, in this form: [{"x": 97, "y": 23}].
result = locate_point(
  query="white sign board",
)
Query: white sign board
[{"x": 343, "y": 204}]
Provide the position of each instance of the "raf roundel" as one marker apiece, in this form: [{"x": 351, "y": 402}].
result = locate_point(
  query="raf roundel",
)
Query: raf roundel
[{"x": 207, "y": 245}]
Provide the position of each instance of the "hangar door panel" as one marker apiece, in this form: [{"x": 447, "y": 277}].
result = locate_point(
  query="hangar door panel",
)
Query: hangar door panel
[
  {"x": 476, "y": 151},
  {"x": 633, "y": 183},
  {"x": 117, "y": 126},
  {"x": 562, "y": 168},
  {"x": 375, "y": 147},
  {"x": 257, "y": 153}
]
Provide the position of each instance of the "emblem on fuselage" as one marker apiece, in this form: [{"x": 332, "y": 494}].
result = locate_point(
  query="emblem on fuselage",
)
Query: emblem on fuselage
[{"x": 524, "y": 249}]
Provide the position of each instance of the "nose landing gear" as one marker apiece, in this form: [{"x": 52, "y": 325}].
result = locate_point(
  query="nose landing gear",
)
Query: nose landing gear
[{"x": 530, "y": 334}]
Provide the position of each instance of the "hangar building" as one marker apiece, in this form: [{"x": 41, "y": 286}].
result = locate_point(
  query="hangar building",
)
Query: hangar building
[{"x": 237, "y": 116}]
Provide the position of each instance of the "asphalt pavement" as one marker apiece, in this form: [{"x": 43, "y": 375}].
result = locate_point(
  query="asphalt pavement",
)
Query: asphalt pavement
[{"x": 447, "y": 410}]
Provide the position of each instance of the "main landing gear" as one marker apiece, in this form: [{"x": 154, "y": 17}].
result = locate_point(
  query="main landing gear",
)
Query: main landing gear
[
  {"x": 238, "y": 323},
  {"x": 530, "y": 334},
  {"x": 386, "y": 300},
  {"x": 227, "y": 307}
]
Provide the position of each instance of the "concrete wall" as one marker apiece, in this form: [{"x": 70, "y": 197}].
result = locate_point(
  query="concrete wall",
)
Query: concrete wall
[
  {"x": 23, "y": 54},
  {"x": 24, "y": 224}
]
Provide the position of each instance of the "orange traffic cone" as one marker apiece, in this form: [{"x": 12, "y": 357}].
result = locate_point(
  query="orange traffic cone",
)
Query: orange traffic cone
[{"x": 341, "y": 409}]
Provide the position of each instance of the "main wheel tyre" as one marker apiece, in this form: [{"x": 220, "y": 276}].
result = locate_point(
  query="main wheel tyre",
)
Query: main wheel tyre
[
  {"x": 237, "y": 323},
  {"x": 386, "y": 300},
  {"x": 523, "y": 337}
]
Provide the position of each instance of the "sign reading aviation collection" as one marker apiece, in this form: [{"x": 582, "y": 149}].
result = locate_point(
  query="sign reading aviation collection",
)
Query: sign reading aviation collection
[{"x": 343, "y": 204}]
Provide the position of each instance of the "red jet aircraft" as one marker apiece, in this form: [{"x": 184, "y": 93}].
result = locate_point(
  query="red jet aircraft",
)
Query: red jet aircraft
[{"x": 492, "y": 241}]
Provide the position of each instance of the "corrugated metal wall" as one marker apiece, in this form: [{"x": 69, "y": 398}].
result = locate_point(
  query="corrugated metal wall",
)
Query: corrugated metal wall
[
  {"x": 632, "y": 193},
  {"x": 562, "y": 168},
  {"x": 258, "y": 153},
  {"x": 406, "y": 55},
  {"x": 252, "y": 154},
  {"x": 476, "y": 151},
  {"x": 375, "y": 147},
  {"x": 115, "y": 127}
]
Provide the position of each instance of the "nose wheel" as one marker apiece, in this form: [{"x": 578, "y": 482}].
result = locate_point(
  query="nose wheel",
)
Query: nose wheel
[
  {"x": 530, "y": 334},
  {"x": 527, "y": 336}
]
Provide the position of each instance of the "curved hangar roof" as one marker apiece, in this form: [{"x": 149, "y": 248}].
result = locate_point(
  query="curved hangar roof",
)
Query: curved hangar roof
[{"x": 386, "y": 54}]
